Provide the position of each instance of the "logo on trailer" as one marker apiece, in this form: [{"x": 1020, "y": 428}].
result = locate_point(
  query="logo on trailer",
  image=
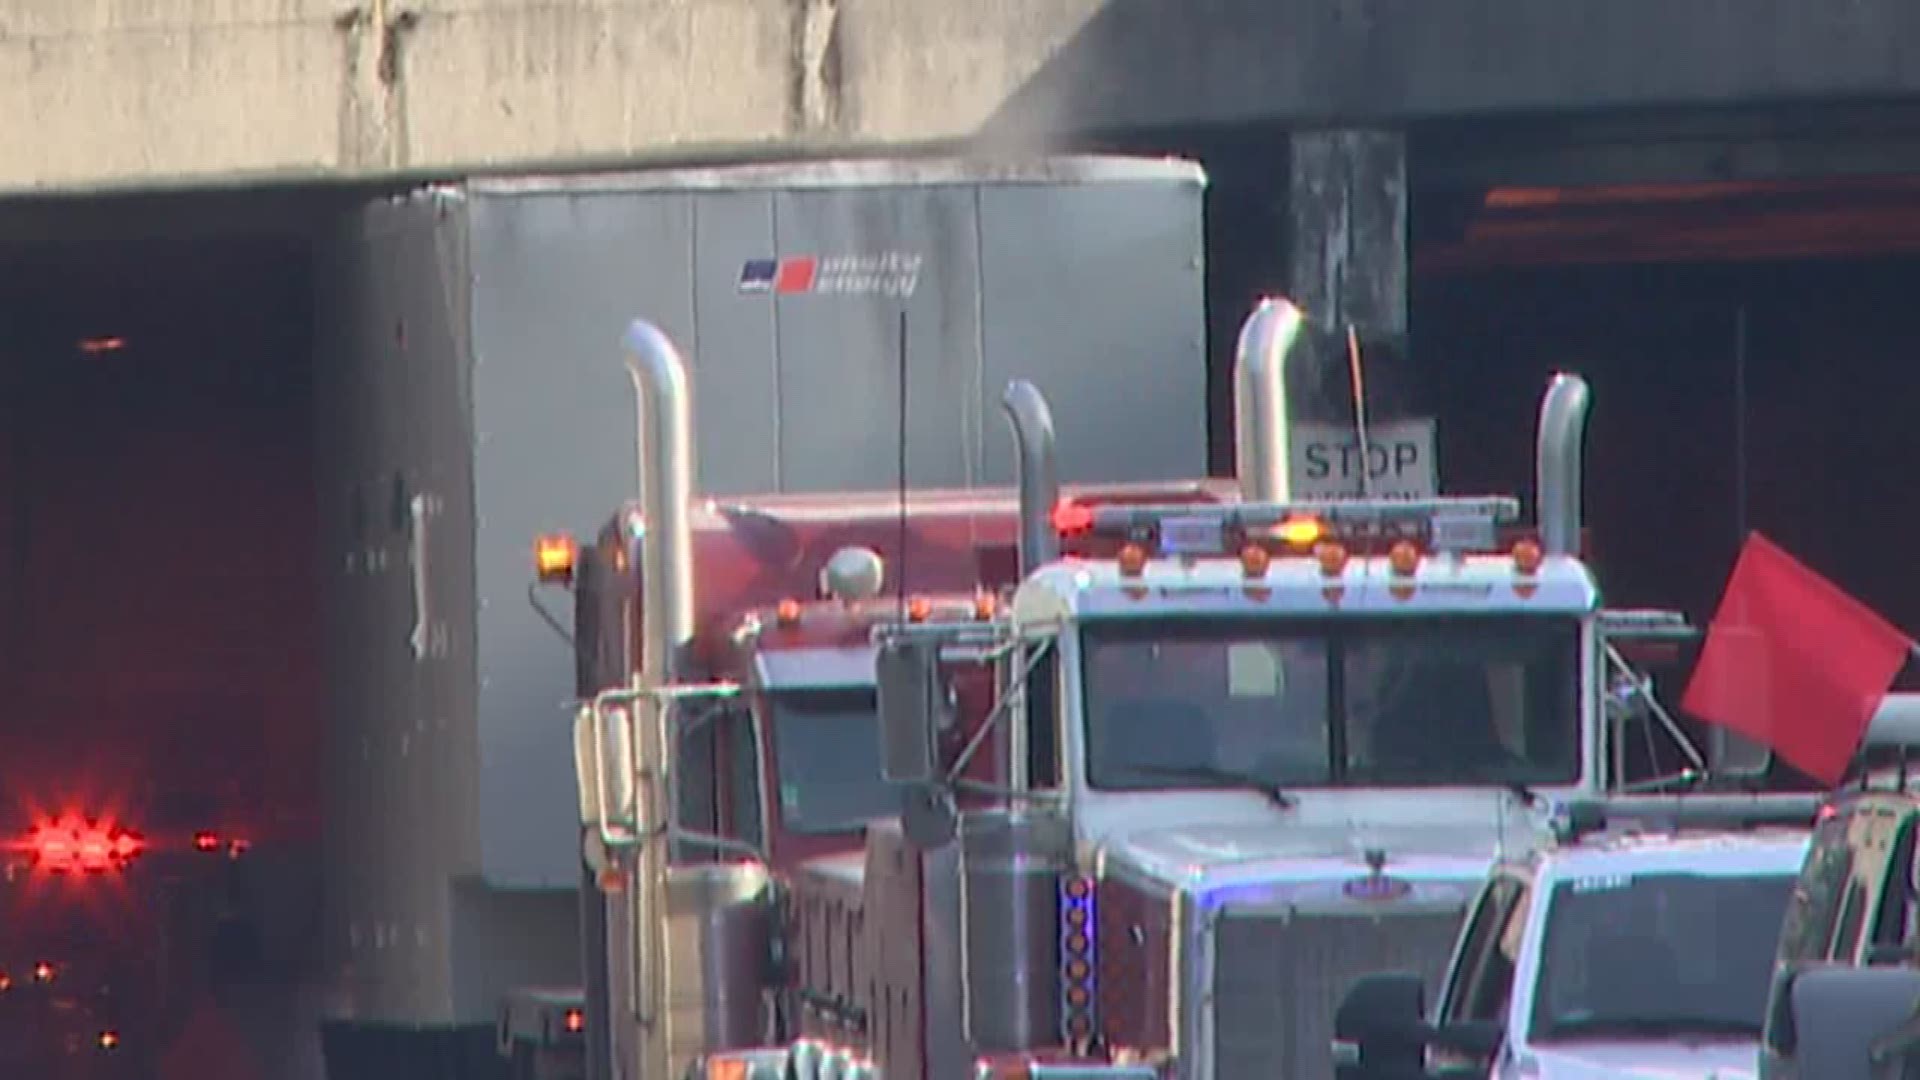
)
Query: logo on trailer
[
  {"x": 779, "y": 275},
  {"x": 888, "y": 273}
]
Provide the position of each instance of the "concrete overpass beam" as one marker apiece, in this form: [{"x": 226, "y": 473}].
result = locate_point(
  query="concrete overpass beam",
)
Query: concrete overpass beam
[{"x": 1347, "y": 267}]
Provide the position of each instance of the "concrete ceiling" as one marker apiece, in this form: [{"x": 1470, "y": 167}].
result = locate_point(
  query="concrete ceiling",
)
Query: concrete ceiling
[{"x": 142, "y": 93}]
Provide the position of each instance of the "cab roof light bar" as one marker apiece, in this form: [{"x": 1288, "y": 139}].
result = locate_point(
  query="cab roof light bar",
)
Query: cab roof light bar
[
  {"x": 1584, "y": 817},
  {"x": 1124, "y": 520}
]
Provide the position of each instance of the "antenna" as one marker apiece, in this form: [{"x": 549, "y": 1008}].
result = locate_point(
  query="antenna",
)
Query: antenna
[
  {"x": 1360, "y": 410},
  {"x": 900, "y": 554}
]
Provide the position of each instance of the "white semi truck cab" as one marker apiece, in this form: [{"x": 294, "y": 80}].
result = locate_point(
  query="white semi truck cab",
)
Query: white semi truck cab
[{"x": 1268, "y": 746}]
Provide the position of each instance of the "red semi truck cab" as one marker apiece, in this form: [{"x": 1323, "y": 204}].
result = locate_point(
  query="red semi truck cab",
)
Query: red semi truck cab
[{"x": 784, "y": 769}]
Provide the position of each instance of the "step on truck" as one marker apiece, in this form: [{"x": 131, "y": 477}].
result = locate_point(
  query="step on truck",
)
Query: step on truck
[{"x": 1250, "y": 748}]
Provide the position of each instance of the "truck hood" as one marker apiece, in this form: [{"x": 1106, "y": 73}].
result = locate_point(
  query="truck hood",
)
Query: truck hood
[
  {"x": 1728, "y": 1060},
  {"x": 1204, "y": 857}
]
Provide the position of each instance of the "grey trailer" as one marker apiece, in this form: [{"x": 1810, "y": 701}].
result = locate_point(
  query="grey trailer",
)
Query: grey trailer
[{"x": 470, "y": 396}]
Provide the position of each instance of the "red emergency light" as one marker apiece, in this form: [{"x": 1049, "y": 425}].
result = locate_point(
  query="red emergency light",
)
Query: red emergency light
[{"x": 70, "y": 845}]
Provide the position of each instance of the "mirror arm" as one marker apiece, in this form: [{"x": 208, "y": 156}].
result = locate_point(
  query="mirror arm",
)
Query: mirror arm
[
  {"x": 1685, "y": 778},
  {"x": 1672, "y": 726},
  {"x": 1017, "y": 694},
  {"x": 546, "y": 614}
]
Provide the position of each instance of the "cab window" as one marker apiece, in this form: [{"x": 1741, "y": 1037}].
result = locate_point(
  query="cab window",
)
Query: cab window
[
  {"x": 1484, "y": 980},
  {"x": 1853, "y": 911},
  {"x": 1870, "y": 838},
  {"x": 1813, "y": 909},
  {"x": 1894, "y": 921}
]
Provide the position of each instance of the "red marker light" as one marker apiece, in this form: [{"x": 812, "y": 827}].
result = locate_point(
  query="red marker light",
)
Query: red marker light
[
  {"x": 575, "y": 1020},
  {"x": 43, "y": 972},
  {"x": 1070, "y": 518},
  {"x": 206, "y": 841}
]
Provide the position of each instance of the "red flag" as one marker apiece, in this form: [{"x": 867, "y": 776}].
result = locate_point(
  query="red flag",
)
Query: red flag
[{"x": 1793, "y": 662}]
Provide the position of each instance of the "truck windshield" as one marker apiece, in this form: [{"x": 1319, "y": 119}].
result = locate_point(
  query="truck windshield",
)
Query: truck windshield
[
  {"x": 1427, "y": 701},
  {"x": 1659, "y": 955},
  {"x": 826, "y": 757}
]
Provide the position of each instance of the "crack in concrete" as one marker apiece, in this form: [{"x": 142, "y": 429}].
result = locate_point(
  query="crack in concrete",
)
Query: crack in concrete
[
  {"x": 818, "y": 87},
  {"x": 372, "y": 113}
]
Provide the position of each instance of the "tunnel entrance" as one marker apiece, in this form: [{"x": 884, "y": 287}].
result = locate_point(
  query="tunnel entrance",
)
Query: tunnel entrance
[
  {"x": 1769, "y": 396},
  {"x": 1749, "y": 347},
  {"x": 159, "y": 615},
  {"x": 1734, "y": 285}
]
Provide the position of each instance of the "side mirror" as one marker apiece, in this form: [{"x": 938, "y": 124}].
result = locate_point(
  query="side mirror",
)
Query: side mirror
[
  {"x": 907, "y": 681},
  {"x": 1380, "y": 1029},
  {"x": 604, "y": 771},
  {"x": 1848, "y": 1021}
]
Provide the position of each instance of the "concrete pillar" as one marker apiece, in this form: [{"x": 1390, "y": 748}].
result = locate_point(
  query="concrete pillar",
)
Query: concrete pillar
[{"x": 1346, "y": 264}]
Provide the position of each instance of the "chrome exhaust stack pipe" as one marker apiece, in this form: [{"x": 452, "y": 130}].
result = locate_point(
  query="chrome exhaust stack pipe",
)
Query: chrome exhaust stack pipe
[
  {"x": 1261, "y": 441},
  {"x": 1033, "y": 443},
  {"x": 666, "y": 560},
  {"x": 666, "y": 491},
  {"x": 1559, "y": 480}
]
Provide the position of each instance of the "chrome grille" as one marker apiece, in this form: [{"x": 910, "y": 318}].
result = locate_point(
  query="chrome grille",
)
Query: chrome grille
[{"x": 1278, "y": 976}]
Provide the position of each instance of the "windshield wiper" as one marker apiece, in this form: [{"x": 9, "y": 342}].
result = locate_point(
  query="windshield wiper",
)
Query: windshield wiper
[
  {"x": 1657, "y": 1027},
  {"x": 1275, "y": 794}
]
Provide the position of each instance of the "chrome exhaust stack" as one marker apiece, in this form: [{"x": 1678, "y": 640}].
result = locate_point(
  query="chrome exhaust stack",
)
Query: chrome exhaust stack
[
  {"x": 1559, "y": 480},
  {"x": 665, "y": 446},
  {"x": 1033, "y": 443},
  {"x": 698, "y": 927},
  {"x": 1261, "y": 441},
  {"x": 666, "y": 625}
]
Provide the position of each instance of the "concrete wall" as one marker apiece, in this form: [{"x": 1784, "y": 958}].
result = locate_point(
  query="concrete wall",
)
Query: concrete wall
[{"x": 143, "y": 92}]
